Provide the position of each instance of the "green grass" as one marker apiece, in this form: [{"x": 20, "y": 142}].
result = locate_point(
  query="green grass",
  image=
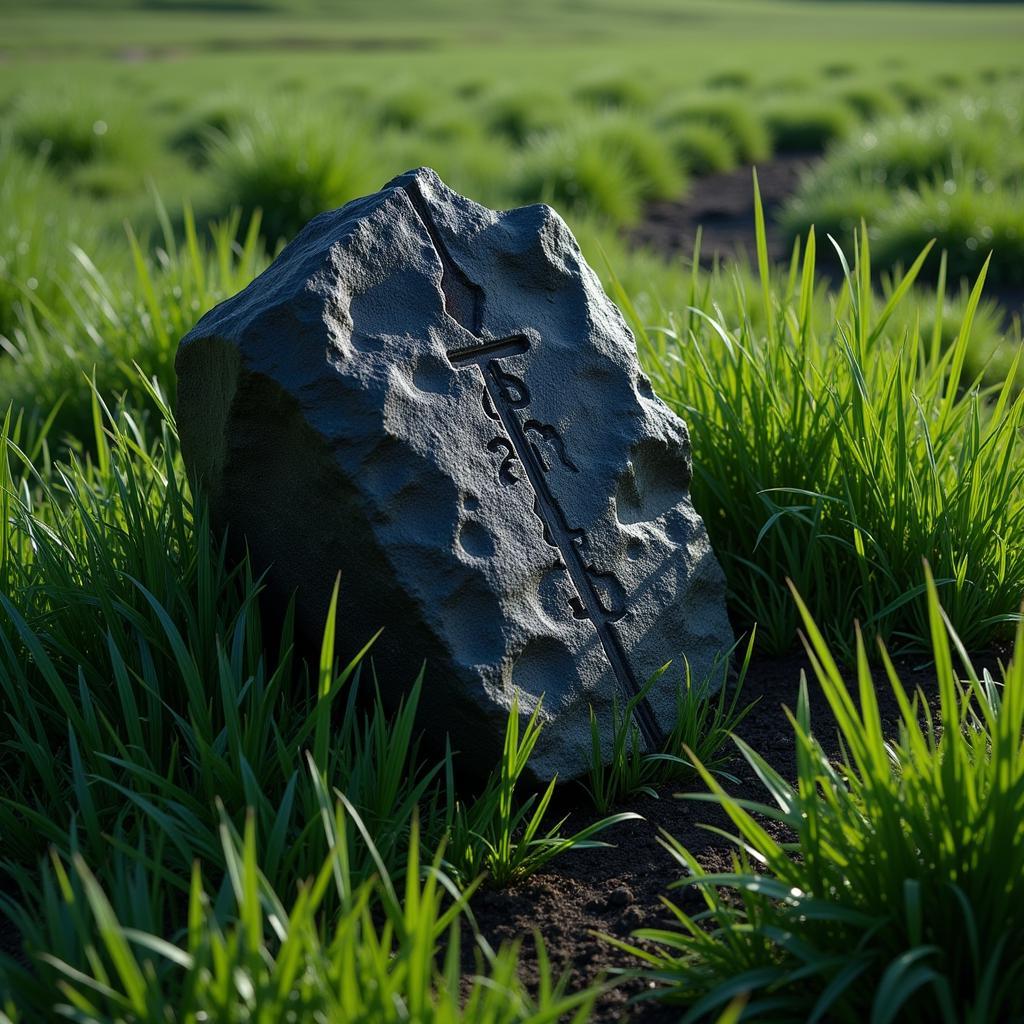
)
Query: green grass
[
  {"x": 731, "y": 114},
  {"x": 952, "y": 173},
  {"x": 896, "y": 896},
  {"x": 869, "y": 101},
  {"x": 506, "y": 839},
  {"x": 702, "y": 148},
  {"x": 968, "y": 221},
  {"x": 160, "y": 715},
  {"x": 38, "y": 221},
  {"x": 615, "y": 90},
  {"x": 806, "y": 125},
  {"x": 839, "y": 448},
  {"x": 71, "y": 133},
  {"x": 100, "y": 317},
  {"x": 607, "y": 168},
  {"x": 289, "y": 169},
  {"x": 202, "y": 127},
  {"x": 196, "y": 818},
  {"x": 277, "y": 958},
  {"x": 707, "y": 712},
  {"x": 518, "y": 114}
]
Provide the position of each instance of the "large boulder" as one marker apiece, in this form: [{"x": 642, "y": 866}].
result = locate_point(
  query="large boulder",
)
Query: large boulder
[{"x": 439, "y": 401}]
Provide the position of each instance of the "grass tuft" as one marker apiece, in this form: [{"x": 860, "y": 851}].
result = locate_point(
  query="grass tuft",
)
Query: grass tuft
[
  {"x": 892, "y": 900},
  {"x": 806, "y": 126},
  {"x": 702, "y": 149},
  {"x": 607, "y": 167},
  {"x": 732, "y": 115},
  {"x": 288, "y": 169},
  {"x": 839, "y": 446},
  {"x": 707, "y": 712}
]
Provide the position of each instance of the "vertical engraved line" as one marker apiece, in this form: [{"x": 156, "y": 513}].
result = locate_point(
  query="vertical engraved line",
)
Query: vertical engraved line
[
  {"x": 559, "y": 530},
  {"x": 457, "y": 289}
]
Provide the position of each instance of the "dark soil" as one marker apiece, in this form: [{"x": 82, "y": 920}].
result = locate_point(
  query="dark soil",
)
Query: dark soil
[
  {"x": 615, "y": 891},
  {"x": 722, "y": 205}
]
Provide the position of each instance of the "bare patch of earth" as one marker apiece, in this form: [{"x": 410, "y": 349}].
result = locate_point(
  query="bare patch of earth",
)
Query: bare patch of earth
[
  {"x": 722, "y": 206},
  {"x": 590, "y": 893}
]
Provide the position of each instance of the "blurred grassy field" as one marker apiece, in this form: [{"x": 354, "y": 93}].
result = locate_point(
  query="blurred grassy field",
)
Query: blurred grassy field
[
  {"x": 677, "y": 40},
  {"x": 134, "y": 140},
  {"x": 151, "y": 78}
]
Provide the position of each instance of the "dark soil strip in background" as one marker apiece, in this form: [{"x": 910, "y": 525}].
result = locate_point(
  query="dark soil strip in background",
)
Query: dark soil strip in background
[{"x": 722, "y": 205}]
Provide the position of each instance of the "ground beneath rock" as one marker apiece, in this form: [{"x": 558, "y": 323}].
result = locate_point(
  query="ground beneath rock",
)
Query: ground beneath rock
[{"x": 615, "y": 891}]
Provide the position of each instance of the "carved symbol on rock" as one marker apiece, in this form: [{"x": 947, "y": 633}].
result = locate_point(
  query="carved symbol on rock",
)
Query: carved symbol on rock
[
  {"x": 512, "y": 389},
  {"x": 550, "y": 436},
  {"x": 506, "y": 474},
  {"x": 600, "y": 597}
]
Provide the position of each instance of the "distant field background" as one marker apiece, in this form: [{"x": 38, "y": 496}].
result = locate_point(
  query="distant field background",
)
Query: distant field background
[{"x": 427, "y": 79}]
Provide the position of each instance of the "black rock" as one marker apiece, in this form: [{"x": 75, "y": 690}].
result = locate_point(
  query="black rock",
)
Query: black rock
[{"x": 440, "y": 401}]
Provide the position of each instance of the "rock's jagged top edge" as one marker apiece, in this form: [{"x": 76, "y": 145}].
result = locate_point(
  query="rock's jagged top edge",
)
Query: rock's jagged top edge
[{"x": 434, "y": 191}]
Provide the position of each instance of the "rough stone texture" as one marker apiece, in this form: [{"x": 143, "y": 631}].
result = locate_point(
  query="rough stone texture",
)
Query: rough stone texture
[{"x": 440, "y": 401}]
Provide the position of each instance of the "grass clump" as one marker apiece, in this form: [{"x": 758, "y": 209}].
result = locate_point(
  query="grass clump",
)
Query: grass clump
[
  {"x": 805, "y": 126},
  {"x": 951, "y": 173},
  {"x": 911, "y": 93},
  {"x": 989, "y": 357},
  {"x": 732, "y": 115},
  {"x": 607, "y": 167},
  {"x": 733, "y": 78},
  {"x": 504, "y": 839},
  {"x": 614, "y": 91},
  {"x": 979, "y": 137},
  {"x": 199, "y": 131},
  {"x": 69, "y": 133},
  {"x": 519, "y": 114},
  {"x": 251, "y": 952},
  {"x": 707, "y": 712},
  {"x": 289, "y": 168},
  {"x": 869, "y": 101},
  {"x": 894, "y": 898},
  {"x": 839, "y": 452},
  {"x": 838, "y": 69},
  {"x": 116, "y": 318},
  {"x": 38, "y": 221},
  {"x": 835, "y": 213},
  {"x": 968, "y": 221},
  {"x": 405, "y": 107},
  {"x": 702, "y": 148}
]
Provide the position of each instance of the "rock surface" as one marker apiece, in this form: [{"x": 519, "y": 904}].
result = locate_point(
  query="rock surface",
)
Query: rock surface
[{"x": 439, "y": 401}]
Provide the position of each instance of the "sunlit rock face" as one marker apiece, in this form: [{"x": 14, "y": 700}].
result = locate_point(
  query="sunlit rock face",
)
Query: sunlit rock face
[{"x": 438, "y": 401}]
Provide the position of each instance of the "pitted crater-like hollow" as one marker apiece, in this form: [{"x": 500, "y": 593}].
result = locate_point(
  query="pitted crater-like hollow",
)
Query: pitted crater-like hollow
[
  {"x": 546, "y": 668},
  {"x": 656, "y": 479},
  {"x": 475, "y": 539}
]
